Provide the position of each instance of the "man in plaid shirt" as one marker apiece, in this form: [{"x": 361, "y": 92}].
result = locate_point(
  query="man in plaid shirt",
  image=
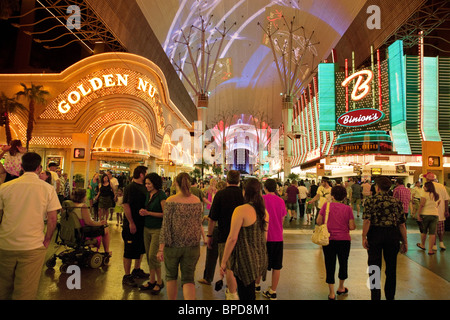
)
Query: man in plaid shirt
[{"x": 403, "y": 194}]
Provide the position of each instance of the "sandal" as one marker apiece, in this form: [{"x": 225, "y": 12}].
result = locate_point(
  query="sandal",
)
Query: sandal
[
  {"x": 419, "y": 245},
  {"x": 147, "y": 286},
  {"x": 342, "y": 292},
  {"x": 159, "y": 287}
]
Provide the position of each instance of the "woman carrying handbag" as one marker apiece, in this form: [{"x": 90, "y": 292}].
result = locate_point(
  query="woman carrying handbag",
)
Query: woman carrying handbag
[{"x": 339, "y": 223}]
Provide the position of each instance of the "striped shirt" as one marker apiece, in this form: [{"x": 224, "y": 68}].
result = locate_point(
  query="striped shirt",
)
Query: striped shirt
[{"x": 404, "y": 195}]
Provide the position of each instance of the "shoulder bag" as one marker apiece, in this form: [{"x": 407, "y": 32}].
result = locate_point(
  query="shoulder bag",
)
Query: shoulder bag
[{"x": 321, "y": 236}]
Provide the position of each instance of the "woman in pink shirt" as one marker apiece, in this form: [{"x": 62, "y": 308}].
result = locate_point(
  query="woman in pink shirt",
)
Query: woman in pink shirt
[
  {"x": 276, "y": 208},
  {"x": 340, "y": 222}
]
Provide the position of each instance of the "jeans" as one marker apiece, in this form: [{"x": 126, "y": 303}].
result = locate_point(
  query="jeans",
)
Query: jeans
[
  {"x": 211, "y": 257},
  {"x": 245, "y": 292},
  {"x": 384, "y": 242}
]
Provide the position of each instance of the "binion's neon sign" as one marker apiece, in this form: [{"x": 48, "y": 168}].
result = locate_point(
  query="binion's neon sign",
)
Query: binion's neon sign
[{"x": 361, "y": 87}]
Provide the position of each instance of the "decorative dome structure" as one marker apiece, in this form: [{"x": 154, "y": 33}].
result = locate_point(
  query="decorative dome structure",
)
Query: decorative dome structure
[{"x": 121, "y": 141}]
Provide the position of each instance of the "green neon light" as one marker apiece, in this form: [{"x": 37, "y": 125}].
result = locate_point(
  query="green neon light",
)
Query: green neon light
[
  {"x": 327, "y": 96},
  {"x": 430, "y": 99}
]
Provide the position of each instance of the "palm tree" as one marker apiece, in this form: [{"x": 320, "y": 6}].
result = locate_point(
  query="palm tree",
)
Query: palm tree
[
  {"x": 35, "y": 96},
  {"x": 7, "y": 106}
]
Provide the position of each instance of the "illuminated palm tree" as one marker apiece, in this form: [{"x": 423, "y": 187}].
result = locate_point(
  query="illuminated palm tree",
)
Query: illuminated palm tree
[
  {"x": 35, "y": 96},
  {"x": 7, "y": 106}
]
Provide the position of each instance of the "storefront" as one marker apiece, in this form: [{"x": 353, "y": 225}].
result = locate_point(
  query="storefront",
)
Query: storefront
[
  {"x": 379, "y": 120},
  {"x": 111, "y": 111}
]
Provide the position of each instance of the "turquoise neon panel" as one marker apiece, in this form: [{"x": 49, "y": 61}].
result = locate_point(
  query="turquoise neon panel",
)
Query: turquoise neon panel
[
  {"x": 400, "y": 139},
  {"x": 430, "y": 99},
  {"x": 327, "y": 97},
  {"x": 397, "y": 82}
]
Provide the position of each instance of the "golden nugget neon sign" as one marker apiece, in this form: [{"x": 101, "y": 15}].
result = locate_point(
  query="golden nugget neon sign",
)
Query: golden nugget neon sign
[
  {"x": 105, "y": 81},
  {"x": 360, "y": 89}
]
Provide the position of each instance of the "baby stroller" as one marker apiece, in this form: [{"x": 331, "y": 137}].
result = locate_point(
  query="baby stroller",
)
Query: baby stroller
[{"x": 79, "y": 248}]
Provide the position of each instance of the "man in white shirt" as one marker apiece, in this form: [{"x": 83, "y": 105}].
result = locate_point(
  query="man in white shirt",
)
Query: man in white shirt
[
  {"x": 52, "y": 167},
  {"x": 25, "y": 203},
  {"x": 442, "y": 209}
]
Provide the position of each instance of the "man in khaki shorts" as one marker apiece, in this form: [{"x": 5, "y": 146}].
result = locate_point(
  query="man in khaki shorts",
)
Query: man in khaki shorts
[{"x": 23, "y": 243}]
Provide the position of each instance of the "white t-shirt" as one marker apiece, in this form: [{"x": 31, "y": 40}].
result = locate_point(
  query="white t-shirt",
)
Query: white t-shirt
[
  {"x": 25, "y": 202},
  {"x": 443, "y": 195},
  {"x": 431, "y": 207},
  {"x": 55, "y": 178},
  {"x": 114, "y": 184},
  {"x": 303, "y": 192}
]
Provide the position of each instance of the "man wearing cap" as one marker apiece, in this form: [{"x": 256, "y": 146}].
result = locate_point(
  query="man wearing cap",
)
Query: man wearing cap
[{"x": 442, "y": 208}]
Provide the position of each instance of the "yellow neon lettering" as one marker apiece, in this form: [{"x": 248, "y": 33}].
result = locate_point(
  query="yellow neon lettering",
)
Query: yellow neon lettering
[{"x": 361, "y": 89}]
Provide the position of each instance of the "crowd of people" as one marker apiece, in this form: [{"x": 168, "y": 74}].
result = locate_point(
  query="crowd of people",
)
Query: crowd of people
[{"x": 163, "y": 220}]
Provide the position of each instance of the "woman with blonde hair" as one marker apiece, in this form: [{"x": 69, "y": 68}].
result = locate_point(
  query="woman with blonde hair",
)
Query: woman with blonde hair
[{"x": 179, "y": 242}]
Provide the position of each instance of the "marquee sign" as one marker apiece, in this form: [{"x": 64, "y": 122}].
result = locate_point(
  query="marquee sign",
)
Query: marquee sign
[
  {"x": 103, "y": 83},
  {"x": 106, "y": 81},
  {"x": 360, "y": 117}
]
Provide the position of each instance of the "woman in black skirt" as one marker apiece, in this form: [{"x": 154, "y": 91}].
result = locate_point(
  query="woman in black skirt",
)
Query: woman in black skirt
[{"x": 105, "y": 197}]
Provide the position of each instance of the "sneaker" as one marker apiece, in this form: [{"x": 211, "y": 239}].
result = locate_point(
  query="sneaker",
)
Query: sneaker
[
  {"x": 269, "y": 294},
  {"x": 129, "y": 280},
  {"x": 140, "y": 274},
  {"x": 231, "y": 296}
]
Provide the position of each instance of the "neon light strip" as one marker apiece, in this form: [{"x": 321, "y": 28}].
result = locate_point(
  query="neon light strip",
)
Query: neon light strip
[
  {"x": 303, "y": 126},
  {"x": 315, "y": 113},
  {"x": 380, "y": 102},
  {"x": 421, "y": 57},
  {"x": 373, "y": 71},
  {"x": 346, "y": 87},
  {"x": 310, "y": 120}
]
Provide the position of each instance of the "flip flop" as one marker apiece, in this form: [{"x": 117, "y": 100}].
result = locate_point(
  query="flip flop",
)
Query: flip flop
[{"x": 418, "y": 244}]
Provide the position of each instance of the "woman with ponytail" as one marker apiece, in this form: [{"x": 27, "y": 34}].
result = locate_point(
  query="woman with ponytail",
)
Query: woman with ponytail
[
  {"x": 246, "y": 243},
  {"x": 179, "y": 242}
]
